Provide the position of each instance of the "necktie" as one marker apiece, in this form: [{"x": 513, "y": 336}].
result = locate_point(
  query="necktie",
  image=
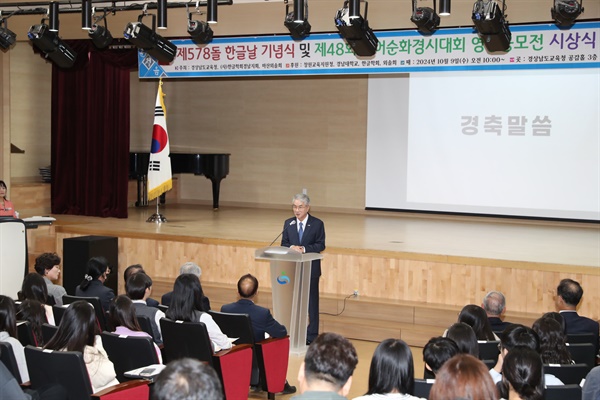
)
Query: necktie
[{"x": 300, "y": 231}]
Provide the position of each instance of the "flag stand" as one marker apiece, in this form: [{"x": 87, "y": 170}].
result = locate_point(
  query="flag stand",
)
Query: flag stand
[{"x": 157, "y": 217}]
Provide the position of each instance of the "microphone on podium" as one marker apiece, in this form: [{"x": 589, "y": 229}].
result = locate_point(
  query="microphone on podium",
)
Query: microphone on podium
[{"x": 281, "y": 233}]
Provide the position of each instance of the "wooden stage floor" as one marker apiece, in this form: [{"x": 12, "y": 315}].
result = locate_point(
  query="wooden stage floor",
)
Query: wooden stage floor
[{"x": 544, "y": 242}]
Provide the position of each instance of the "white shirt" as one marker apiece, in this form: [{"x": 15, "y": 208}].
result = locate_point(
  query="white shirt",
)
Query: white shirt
[
  {"x": 218, "y": 339},
  {"x": 549, "y": 379}
]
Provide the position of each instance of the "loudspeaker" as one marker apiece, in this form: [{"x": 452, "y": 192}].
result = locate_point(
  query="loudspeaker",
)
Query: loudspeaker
[{"x": 78, "y": 250}]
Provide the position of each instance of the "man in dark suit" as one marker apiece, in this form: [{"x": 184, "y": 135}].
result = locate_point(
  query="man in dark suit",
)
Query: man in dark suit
[
  {"x": 568, "y": 296},
  {"x": 260, "y": 317},
  {"x": 494, "y": 304},
  {"x": 306, "y": 234}
]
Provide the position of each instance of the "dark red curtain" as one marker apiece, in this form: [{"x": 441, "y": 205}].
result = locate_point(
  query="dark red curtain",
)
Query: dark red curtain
[{"x": 90, "y": 132}]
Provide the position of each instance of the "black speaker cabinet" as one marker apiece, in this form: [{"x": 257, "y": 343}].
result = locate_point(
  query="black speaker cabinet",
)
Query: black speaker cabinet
[{"x": 78, "y": 250}]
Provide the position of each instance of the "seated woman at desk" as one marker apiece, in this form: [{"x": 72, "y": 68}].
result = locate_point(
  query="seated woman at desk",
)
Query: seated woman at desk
[{"x": 7, "y": 209}]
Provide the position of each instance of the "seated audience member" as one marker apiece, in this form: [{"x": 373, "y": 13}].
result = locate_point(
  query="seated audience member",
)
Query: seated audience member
[
  {"x": 522, "y": 375},
  {"x": 326, "y": 372},
  {"x": 519, "y": 336},
  {"x": 476, "y": 318},
  {"x": 8, "y": 334},
  {"x": 591, "y": 387},
  {"x": 93, "y": 282},
  {"x": 34, "y": 288},
  {"x": 188, "y": 268},
  {"x": 139, "y": 288},
  {"x": 122, "y": 317},
  {"x": 33, "y": 312},
  {"x": 77, "y": 332},
  {"x": 187, "y": 379},
  {"x": 263, "y": 323},
  {"x": 437, "y": 351},
  {"x": 48, "y": 266},
  {"x": 464, "y": 337},
  {"x": 134, "y": 269},
  {"x": 463, "y": 377},
  {"x": 568, "y": 297},
  {"x": 186, "y": 305},
  {"x": 553, "y": 348},
  {"x": 494, "y": 305},
  {"x": 391, "y": 375}
]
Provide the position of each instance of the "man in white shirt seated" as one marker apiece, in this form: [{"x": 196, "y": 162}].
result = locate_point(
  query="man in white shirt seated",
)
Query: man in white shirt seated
[{"x": 519, "y": 335}]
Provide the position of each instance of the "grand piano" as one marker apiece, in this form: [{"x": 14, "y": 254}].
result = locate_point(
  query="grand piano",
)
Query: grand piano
[{"x": 213, "y": 166}]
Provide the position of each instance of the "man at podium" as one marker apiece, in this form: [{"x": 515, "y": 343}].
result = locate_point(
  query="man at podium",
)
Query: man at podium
[{"x": 306, "y": 234}]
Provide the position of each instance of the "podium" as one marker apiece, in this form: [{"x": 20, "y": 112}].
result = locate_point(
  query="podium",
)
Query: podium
[{"x": 290, "y": 283}]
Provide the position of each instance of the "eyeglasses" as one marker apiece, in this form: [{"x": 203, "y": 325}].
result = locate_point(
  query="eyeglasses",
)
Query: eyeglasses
[{"x": 302, "y": 207}]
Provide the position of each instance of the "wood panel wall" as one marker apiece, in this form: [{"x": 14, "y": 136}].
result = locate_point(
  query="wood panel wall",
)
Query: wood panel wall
[{"x": 391, "y": 277}]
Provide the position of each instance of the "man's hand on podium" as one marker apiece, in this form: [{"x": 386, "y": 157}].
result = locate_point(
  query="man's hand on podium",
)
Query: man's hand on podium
[{"x": 299, "y": 249}]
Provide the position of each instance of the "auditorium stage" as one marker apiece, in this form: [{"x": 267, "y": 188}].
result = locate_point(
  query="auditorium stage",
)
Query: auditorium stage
[{"x": 408, "y": 269}]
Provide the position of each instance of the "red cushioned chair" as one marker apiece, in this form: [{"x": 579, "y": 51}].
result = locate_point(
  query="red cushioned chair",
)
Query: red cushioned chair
[
  {"x": 190, "y": 339},
  {"x": 271, "y": 356},
  {"x": 67, "y": 369}
]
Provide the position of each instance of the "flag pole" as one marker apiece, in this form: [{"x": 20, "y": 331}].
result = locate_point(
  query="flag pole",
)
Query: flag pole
[{"x": 157, "y": 217}]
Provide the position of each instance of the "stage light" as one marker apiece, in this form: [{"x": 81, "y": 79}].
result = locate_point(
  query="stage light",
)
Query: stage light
[
  {"x": 200, "y": 31},
  {"x": 491, "y": 25},
  {"x": 101, "y": 36},
  {"x": 355, "y": 29},
  {"x": 425, "y": 18},
  {"x": 148, "y": 40},
  {"x": 162, "y": 14},
  {"x": 50, "y": 44},
  {"x": 211, "y": 12},
  {"x": 297, "y": 20},
  {"x": 565, "y": 12},
  {"x": 86, "y": 14},
  {"x": 7, "y": 37},
  {"x": 53, "y": 12},
  {"x": 444, "y": 8}
]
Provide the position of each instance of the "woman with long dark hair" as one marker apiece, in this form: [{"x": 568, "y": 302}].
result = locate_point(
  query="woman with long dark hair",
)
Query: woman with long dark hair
[
  {"x": 391, "y": 375},
  {"x": 34, "y": 288},
  {"x": 33, "y": 312},
  {"x": 78, "y": 332},
  {"x": 553, "y": 347},
  {"x": 123, "y": 318},
  {"x": 8, "y": 334},
  {"x": 522, "y": 375},
  {"x": 464, "y": 337},
  {"x": 93, "y": 282},
  {"x": 186, "y": 305},
  {"x": 475, "y": 316}
]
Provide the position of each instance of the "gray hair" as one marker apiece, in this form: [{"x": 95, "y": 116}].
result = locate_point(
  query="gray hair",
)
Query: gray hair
[
  {"x": 494, "y": 303},
  {"x": 302, "y": 197},
  {"x": 190, "y": 268}
]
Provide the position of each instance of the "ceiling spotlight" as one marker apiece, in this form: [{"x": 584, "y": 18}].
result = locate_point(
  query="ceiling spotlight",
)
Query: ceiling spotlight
[
  {"x": 355, "y": 30},
  {"x": 297, "y": 20},
  {"x": 491, "y": 25},
  {"x": 53, "y": 12},
  {"x": 162, "y": 14},
  {"x": 426, "y": 19},
  {"x": 211, "y": 12},
  {"x": 148, "y": 40},
  {"x": 444, "y": 8},
  {"x": 86, "y": 14},
  {"x": 100, "y": 35},
  {"x": 200, "y": 31},
  {"x": 50, "y": 44},
  {"x": 7, "y": 37},
  {"x": 565, "y": 12}
]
